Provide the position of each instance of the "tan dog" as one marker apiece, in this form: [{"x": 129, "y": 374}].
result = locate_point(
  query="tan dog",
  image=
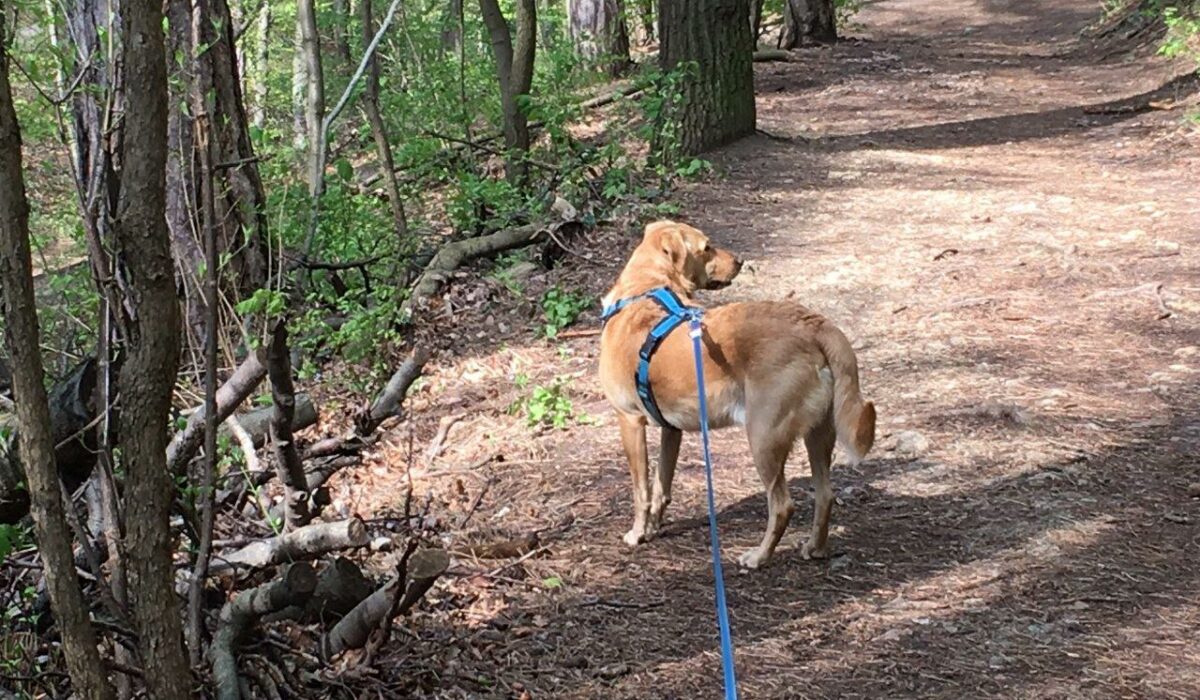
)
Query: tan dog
[{"x": 779, "y": 369}]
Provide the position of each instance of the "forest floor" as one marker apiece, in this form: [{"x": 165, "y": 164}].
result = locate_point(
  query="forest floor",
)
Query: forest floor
[{"x": 1004, "y": 220}]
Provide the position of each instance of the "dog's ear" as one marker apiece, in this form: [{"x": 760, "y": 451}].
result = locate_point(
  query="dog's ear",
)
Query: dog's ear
[{"x": 665, "y": 236}]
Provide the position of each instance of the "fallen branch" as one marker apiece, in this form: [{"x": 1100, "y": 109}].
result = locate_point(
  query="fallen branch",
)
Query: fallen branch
[
  {"x": 438, "y": 443},
  {"x": 355, "y": 628},
  {"x": 258, "y": 421},
  {"x": 453, "y": 255},
  {"x": 294, "y": 587},
  {"x": 388, "y": 403},
  {"x": 232, "y": 393},
  {"x": 306, "y": 542},
  {"x": 764, "y": 55}
]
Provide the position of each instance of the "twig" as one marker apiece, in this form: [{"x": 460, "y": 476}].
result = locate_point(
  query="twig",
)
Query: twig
[{"x": 476, "y": 501}]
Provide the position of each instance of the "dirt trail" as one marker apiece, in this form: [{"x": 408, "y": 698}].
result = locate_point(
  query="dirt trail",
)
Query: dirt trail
[{"x": 1010, "y": 235}]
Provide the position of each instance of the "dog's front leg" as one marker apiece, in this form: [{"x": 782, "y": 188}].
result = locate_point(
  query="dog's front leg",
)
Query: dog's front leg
[
  {"x": 633, "y": 437},
  {"x": 668, "y": 455}
]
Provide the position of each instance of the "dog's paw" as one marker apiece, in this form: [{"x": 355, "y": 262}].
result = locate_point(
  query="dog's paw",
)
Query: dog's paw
[
  {"x": 753, "y": 559},
  {"x": 635, "y": 537},
  {"x": 811, "y": 551}
]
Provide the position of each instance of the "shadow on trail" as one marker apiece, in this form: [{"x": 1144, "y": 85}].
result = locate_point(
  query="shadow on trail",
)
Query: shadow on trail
[
  {"x": 1015, "y": 127},
  {"x": 1029, "y": 583}
]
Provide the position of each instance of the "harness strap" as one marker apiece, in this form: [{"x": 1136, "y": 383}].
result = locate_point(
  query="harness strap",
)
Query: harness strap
[{"x": 677, "y": 313}]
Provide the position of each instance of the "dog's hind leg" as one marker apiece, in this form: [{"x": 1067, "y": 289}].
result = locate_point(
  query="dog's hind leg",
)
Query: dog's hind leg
[
  {"x": 668, "y": 455},
  {"x": 771, "y": 441},
  {"x": 633, "y": 437},
  {"x": 820, "y": 441}
]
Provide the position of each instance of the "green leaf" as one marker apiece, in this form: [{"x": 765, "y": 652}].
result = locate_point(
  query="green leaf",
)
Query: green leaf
[{"x": 552, "y": 582}]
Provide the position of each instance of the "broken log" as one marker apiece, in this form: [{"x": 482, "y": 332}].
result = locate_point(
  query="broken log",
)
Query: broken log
[
  {"x": 764, "y": 55},
  {"x": 340, "y": 587},
  {"x": 287, "y": 457},
  {"x": 293, "y": 587},
  {"x": 230, "y": 395},
  {"x": 307, "y": 542},
  {"x": 352, "y": 632},
  {"x": 389, "y": 401}
]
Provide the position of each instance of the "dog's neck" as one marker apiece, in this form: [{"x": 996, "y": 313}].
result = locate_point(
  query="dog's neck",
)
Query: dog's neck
[{"x": 647, "y": 270}]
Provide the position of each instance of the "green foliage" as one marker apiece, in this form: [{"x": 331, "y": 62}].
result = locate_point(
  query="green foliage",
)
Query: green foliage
[
  {"x": 547, "y": 405},
  {"x": 560, "y": 308},
  {"x": 1183, "y": 30},
  {"x": 13, "y": 538}
]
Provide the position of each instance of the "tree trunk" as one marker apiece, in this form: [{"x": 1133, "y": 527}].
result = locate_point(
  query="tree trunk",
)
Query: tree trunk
[
  {"x": 598, "y": 29},
  {"x": 378, "y": 130},
  {"x": 341, "y": 33},
  {"x": 451, "y": 36},
  {"x": 287, "y": 457},
  {"x": 514, "y": 71},
  {"x": 259, "y": 66},
  {"x": 201, "y": 33},
  {"x": 717, "y": 103},
  {"x": 150, "y": 323},
  {"x": 314, "y": 94},
  {"x": 299, "y": 89},
  {"x": 756, "y": 15},
  {"x": 644, "y": 29},
  {"x": 33, "y": 411},
  {"x": 808, "y": 21}
]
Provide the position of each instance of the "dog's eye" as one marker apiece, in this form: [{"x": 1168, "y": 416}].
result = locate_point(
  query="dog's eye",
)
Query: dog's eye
[{"x": 707, "y": 248}]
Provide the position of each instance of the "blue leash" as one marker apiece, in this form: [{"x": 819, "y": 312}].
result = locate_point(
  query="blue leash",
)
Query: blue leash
[
  {"x": 677, "y": 312},
  {"x": 696, "y": 330}
]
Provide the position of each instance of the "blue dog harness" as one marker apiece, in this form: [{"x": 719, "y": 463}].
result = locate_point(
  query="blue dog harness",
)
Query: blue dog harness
[{"x": 677, "y": 313}]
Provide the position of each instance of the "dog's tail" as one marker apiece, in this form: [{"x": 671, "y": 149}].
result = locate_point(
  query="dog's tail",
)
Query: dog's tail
[{"x": 853, "y": 418}]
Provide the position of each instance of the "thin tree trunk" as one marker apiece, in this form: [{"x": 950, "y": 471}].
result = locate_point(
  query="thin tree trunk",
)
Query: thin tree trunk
[
  {"x": 33, "y": 411},
  {"x": 808, "y": 21},
  {"x": 299, "y": 88},
  {"x": 378, "y": 130},
  {"x": 451, "y": 35},
  {"x": 645, "y": 30},
  {"x": 598, "y": 29},
  {"x": 314, "y": 95},
  {"x": 259, "y": 66},
  {"x": 717, "y": 104},
  {"x": 756, "y": 15},
  {"x": 151, "y": 331},
  {"x": 514, "y": 71},
  {"x": 341, "y": 33},
  {"x": 287, "y": 457}
]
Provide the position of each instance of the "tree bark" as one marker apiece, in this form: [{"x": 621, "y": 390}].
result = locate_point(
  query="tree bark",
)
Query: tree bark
[
  {"x": 808, "y": 21},
  {"x": 299, "y": 89},
  {"x": 314, "y": 93},
  {"x": 259, "y": 65},
  {"x": 378, "y": 130},
  {"x": 600, "y": 34},
  {"x": 201, "y": 32},
  {"x": 151, "y": 331},
  {"x": 514, "y": 72},
  {"x": 33, "y": 411},
  {"x": 644, "y": 32},
  {"x": 287, "y": 457},
  {"x": 717, "y": 105},
  {"x": 308, "y": 542}
]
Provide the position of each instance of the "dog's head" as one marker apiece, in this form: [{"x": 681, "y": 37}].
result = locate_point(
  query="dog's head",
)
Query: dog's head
[{"x": 690, "y": 256}]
